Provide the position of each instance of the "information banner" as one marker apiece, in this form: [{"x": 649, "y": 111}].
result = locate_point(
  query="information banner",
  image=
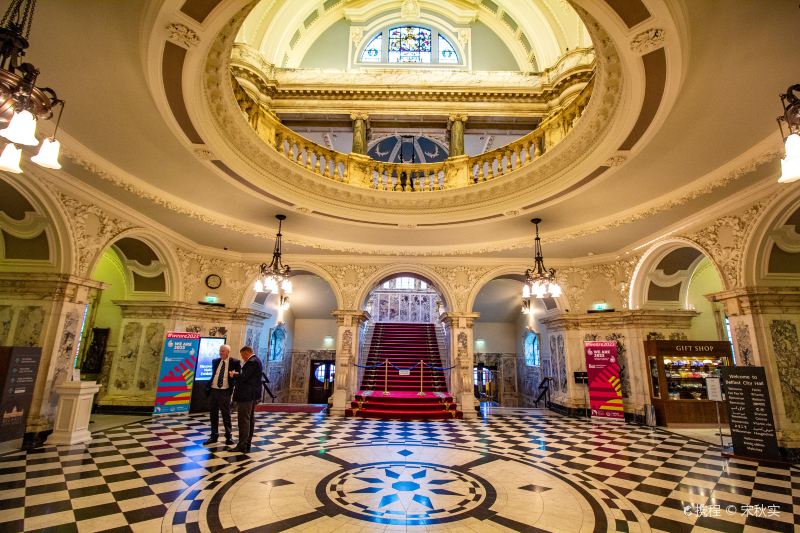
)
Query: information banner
[
  {"x": 605, "y": 388},
  {"x": 750, "y": 412},
  {"x": 18, "y": 369},
  {"x": 174, "y": 392}
]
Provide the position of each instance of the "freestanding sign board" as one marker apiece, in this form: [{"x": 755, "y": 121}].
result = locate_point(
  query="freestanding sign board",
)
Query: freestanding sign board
[
  {"x": 174, "y": 392},
  {"x": 19, "y": 366},
  {"x": 750, "y": 412},
  {"x": 605, "y": 388}
]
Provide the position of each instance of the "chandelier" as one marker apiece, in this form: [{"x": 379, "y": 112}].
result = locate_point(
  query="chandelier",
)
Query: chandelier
[
  {"x": 540, "y": 282},
  {"x": 275, "y": 275},
  {"x": 790, "y": 165},
  {"x": 22, "y": 103}
]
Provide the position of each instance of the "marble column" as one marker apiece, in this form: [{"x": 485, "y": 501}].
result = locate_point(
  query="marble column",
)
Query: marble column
[
  {"x": 462, "y": 360},
  {"x": 45, "y": 310},
  {"x": 360, "y": 126},
  {"x": 348, "y": 346},
  {"x": 456, "y": 124},
  {"x": 765, "y": 326}
]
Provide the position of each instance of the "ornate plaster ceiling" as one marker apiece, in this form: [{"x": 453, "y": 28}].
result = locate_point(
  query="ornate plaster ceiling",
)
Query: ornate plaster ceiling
[{"x": 669, "y": 146}]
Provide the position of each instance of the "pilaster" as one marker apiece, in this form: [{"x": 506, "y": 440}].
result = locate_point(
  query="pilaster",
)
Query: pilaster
[
  {"x": 462, "y": 359},
  {"x": 348, "y": 346}
]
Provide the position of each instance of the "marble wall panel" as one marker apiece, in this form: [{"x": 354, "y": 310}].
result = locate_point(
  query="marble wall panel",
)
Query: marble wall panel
[
  {"x": 125, "y": 369},
  {"x": 562, "y": 363},
  {"x": 787, "y": 357},
  {"x": 29, "y": 326},
  {"x": 301, "y": 369},
  {"x": 744, "y": 345},
  {"x": 150, "y": 357},
  {"x": 65, "y": 354},
  {"x": 6, "y": 315}
]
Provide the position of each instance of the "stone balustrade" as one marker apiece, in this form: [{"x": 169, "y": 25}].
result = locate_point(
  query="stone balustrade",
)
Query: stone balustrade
[{"x": 455, "y": 172}]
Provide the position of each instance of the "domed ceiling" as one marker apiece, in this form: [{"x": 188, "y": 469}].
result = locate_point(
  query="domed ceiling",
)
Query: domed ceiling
[{"x": 153, "y": 121}]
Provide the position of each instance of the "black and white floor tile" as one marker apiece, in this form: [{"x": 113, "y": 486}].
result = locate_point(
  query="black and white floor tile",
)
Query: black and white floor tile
[{"x": 516, "y": 471}]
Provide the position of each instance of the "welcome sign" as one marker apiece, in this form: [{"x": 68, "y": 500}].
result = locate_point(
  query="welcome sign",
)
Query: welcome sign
[
  {"x": 174, "y": 392},
  {"x": 605, "y": 388}
]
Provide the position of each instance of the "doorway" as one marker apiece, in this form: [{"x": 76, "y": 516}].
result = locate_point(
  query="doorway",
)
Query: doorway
[
  {"x": 321, "y": 381},
  {"x": 485, "y": 382}
]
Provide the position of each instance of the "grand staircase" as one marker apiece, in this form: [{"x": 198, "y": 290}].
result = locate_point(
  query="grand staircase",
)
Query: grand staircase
[{"x": 400, "y": 383}]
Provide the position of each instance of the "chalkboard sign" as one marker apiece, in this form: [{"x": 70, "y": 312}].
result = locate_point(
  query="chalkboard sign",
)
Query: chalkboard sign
[
  {"x": 18, "y": 369},
  {"x": 750, "y": 412}
]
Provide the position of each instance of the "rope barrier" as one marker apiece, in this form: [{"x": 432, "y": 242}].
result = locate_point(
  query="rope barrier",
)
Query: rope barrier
[
  {"x": 439, "y": 368},
  {"x": 401, "y": 369},
  {"x": 370, "y": 366}
]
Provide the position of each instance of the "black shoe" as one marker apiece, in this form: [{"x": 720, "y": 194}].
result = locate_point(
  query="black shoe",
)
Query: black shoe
[
  {"x": 228, "y": 441},
  {"x": 210, "y": 440},
  {"x": 238, "y": 449}
]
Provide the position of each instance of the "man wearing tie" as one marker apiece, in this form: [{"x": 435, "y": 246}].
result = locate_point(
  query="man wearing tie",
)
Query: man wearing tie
[
  {"x": 219, "y": 390},
  {"x": 247, "y": 395}
]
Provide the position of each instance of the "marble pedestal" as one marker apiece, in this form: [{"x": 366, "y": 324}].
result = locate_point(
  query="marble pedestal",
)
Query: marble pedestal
[{"x": 72, "y": 415}]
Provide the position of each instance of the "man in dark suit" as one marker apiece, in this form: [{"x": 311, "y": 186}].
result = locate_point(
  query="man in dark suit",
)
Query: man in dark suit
[
  {"x": 219, "y": 390},
  {"x": 247, "y": 394}
]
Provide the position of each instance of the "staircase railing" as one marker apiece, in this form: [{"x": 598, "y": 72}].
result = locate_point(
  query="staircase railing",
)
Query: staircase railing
[
  {"x": 455, "y": 172},
  {"x": 544, "y": 388}
]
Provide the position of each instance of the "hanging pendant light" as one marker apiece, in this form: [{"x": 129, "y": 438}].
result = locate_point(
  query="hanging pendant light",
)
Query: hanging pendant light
[
  {"x": 9, "y": 159},
  {"x": 540, "y": 282},
  {"x": 21, "y": 129},
  {"x": 48, "y": 154},
  {"x": 275, "y": 275},
  {"x": 790, "y": 164}
]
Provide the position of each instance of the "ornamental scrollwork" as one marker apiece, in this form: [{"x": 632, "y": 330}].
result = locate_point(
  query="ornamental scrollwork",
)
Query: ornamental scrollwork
[{"x": 182, "y": 34}]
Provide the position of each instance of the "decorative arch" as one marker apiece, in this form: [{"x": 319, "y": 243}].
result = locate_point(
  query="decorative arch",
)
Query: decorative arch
[
  {"x": 420, "y": 271},
  {"x": 165, "y": 262},
  {"x": 48, "y": 218},
  {"x": 647, "y": 274},
  {"x": 505, "y": 271},
  {"x": 776, "y": 235},
  {"x": 249, "y": 295}
]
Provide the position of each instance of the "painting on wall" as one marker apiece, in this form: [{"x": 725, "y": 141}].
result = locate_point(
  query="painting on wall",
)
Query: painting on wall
[{"x": 277, "y": 343}]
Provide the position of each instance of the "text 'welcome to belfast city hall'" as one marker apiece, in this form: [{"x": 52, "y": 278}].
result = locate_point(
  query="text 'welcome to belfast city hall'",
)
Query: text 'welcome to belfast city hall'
[{"x": 399, "y": 265}]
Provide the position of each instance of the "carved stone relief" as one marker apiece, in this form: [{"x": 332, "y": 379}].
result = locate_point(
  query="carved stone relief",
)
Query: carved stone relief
[
  {"x": 182, "y": 34},
  {"x": 65, "y": 356},
  {"x": 648, "y": 40},
  {"x": 787, "y": 357},
  {"x": 562, "y": 363},
  {"x": 461, "y": 279},
  {"x": 350, "y": 279},
  {"x": 30, "y": 320},
  {"x": 554, "y": 368},
  {"x": 744, "y": 345}
]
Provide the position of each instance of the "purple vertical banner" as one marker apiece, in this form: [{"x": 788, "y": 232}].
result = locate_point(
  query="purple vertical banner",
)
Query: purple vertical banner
[{"x": 605, "y": 388}]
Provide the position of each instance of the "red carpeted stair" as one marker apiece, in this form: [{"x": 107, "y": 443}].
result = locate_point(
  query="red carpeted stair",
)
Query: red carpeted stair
[{"x": 395, "y": 394}]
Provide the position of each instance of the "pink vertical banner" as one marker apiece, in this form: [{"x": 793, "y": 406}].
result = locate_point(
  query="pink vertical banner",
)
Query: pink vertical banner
[{"x": 605, "y": 388}]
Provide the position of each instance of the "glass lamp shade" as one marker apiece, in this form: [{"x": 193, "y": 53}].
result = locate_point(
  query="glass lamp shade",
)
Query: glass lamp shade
[
  {"x": 790, "y": 165},
  {"x": 9, "y": 159},
  {"x": 21, "y": 129},
  {"x": 286, "y": 286},
  {"x": 555, "y": 290},
  {"x": 258, "y": 287},
  {"x": 48, "y": 154},
  {"x": 270, "y": 285},
  {"x": 526, "y": 291}
]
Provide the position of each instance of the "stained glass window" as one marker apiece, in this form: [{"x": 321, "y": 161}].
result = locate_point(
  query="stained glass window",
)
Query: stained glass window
[
  {"x": 447, "y": 54},
  {"x": 531, "y": 349},
  {"x": 373, "y": 51},
  {"x": 409, "y": 44}
]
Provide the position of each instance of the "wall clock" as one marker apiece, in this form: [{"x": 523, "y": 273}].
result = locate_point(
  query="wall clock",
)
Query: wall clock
[{"x": 213, "y": 281}]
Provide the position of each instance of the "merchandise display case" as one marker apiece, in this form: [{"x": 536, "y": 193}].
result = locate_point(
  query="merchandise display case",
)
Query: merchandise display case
[{"x": 677, "y": 376}]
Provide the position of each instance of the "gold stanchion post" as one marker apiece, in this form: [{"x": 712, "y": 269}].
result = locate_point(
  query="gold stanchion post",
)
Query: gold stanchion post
[
  {"x": 386, "y": 378},
  {"x": 421, "y": 372}
]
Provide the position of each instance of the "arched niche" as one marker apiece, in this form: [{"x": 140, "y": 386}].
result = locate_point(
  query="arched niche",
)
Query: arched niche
[
  {"x": 772, "y": 253},
  {"x": 33, "y": 232},
  {"x": 512, "y": 272},
  {"x": 416, "y": 271},
  {"x": 678, "y": 275}
]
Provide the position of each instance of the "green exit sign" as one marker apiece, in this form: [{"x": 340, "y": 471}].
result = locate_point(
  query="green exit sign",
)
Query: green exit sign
[{"x": 211, "y": 299}]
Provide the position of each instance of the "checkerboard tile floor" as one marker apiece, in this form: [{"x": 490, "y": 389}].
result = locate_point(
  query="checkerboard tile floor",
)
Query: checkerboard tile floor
[{"x": 130, "y": 478}]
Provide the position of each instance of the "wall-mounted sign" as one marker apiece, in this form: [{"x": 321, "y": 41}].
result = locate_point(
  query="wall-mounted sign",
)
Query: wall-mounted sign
[
  {"x": 750, "y": 412},
  {"x": 605, "y": 388},
  {"x": 174, "y": 392}
]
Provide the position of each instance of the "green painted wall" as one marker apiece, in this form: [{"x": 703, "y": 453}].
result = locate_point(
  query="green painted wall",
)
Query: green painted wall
[
  {"x": 109, "y": 270},
  {"x": 705, "y": 280},
  {"x": 488, "y": 50},
  {"x": 330, "y": 49}
]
